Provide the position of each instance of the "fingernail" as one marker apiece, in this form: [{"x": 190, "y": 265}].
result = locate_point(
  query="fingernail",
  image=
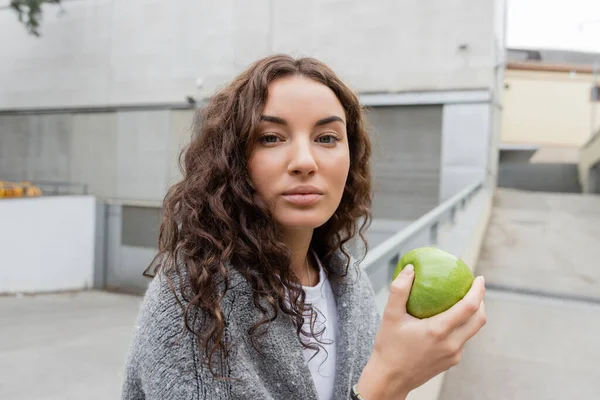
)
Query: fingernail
[{"x": 408, "y": 270}]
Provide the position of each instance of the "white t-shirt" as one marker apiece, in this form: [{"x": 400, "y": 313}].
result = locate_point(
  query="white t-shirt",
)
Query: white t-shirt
[{"x": 322, "y": 366}]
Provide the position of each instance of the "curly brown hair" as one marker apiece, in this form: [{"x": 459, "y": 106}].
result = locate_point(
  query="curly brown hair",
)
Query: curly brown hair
[{"x": 214, "y": 220}]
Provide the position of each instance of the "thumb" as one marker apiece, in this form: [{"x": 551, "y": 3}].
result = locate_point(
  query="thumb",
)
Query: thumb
[{"x": 400, "y": 290}]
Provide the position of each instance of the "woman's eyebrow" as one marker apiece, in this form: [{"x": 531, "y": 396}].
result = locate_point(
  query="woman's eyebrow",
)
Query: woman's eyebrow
[
  {"x": 281, "y": 121},
  {"x": 327, "y": 120},
  {"x": 275, "y": 120}
]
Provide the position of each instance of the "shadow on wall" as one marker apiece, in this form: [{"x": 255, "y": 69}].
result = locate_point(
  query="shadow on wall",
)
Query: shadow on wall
[
  {"x": 561, "y": 178},
  {"x": 517, "y": 172}
]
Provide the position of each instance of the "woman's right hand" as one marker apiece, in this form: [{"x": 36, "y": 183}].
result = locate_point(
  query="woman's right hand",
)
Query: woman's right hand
[{"x": 409, "y": 351}]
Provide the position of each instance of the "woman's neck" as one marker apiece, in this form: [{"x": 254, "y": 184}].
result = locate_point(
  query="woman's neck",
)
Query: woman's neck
[{"x": 303, "y": 264}]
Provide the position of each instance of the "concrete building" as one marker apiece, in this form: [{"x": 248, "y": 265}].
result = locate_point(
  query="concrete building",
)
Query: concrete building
[
  {"x": 548, "y": 98},
  {"x": 101, "y": 97},
  {"x": 549, "y": 115}
]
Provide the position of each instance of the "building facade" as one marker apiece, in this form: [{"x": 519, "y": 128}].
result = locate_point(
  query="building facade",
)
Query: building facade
[{"x": 106, "y": 96}]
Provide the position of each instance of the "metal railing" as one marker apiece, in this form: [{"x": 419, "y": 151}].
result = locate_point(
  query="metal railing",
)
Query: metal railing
[
  {"x": 380, "y": 262},
  {"x": 61, "y": 188},
  {"x": 12, "y": 189}
]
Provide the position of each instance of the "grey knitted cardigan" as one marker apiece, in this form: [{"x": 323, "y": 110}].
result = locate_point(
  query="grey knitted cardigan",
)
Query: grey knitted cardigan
[{"x": 164, "y": 360}]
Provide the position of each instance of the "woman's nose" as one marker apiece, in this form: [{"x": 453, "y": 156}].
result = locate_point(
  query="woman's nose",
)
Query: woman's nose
[{"x": 302, "y": 160}]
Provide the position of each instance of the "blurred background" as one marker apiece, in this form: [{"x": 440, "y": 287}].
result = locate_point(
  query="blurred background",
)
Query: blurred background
[{"x": 485, "y": 119}]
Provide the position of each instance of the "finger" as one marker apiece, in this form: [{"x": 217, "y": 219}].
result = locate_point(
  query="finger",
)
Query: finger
[
  {"x": 472, "y": 326},
  {"x": 462, "y": 311},
  {"x": 400, "y": 290}
]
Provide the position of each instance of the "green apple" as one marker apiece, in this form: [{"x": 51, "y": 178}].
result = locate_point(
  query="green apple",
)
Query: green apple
[{"x": 441, "y": 280}]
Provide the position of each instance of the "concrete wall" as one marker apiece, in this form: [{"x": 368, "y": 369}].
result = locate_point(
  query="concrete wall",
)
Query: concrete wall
[
  {"x": 35, "y": 147},
  {"x": 466, "y": 137},
  {"x": 114, "y": 52},
  {"x": 101, "y": 53},
  {"x": 47, "y": 244},
  {"x": 548, "y": 108},
  {"x": 129, "y": 155}
]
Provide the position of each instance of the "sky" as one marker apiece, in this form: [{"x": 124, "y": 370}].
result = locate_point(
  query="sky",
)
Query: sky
[{"x": 554, "y": 24}]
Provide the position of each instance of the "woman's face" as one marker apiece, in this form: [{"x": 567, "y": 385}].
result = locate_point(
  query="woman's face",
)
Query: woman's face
[{"x": 301, "y": 158}]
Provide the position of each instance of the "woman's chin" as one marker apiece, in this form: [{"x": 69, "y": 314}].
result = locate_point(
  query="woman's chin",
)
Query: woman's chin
[{"x": 306, "y": 221}]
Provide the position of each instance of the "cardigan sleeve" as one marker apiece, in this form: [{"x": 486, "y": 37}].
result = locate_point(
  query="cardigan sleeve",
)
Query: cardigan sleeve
[{"x": 367, "y": 323}]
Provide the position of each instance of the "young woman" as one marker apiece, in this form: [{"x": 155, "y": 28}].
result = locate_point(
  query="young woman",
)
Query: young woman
[{"x": 255, "y": 295}]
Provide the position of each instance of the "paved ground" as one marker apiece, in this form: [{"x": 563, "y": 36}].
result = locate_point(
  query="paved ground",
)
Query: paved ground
[
  {"x": 542, "y": 255},
  {"x": 530, "y": 349},
  {"x": 64, "y": 347},
  {"x": 543, "y": 242}
]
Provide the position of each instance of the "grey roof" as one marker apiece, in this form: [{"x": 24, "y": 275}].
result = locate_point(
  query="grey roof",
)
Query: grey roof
[{"x": 550, "y": 56}]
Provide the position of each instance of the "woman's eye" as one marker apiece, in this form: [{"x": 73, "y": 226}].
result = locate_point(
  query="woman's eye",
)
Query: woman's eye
[
  {"x": 269, "y": 138},
  {"x": 327, "y": 139}
]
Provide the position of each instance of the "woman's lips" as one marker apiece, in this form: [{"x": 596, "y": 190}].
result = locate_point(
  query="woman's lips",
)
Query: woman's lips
[{"x": 302, "y": 199}]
